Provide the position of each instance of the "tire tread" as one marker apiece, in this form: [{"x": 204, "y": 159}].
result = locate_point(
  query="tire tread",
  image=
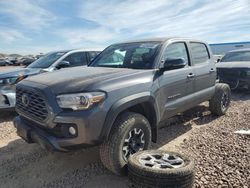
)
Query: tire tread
[
  {"x": 215, "y": 102},
  {"x": 108, "y": 153}
]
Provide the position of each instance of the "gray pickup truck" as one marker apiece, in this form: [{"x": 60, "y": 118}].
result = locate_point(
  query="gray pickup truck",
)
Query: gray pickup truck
[{"x": 119, "y": 101}]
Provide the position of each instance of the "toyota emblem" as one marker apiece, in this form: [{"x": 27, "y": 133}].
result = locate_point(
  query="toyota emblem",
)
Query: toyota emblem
[{"x": 25, "y": 100}]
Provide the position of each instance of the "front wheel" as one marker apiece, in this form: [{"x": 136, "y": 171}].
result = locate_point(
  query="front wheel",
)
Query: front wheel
[
  {"x": 130, "y": 133},
  {"x": 220, "y": 102}
]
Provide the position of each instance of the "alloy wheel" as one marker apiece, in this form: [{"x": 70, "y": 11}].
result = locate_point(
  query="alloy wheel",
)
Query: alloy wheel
[
  {"x": 165, "y": 161},
  {"x": 133, "y": 143}
]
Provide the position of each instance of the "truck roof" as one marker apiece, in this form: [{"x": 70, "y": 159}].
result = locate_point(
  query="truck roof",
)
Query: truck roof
[
  {"x": 76, "y": 50},
  {"x": 161, "y": 39}
]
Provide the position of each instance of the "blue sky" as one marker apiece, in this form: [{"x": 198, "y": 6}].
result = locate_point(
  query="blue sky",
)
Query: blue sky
[{"x": 30, "y": 27}]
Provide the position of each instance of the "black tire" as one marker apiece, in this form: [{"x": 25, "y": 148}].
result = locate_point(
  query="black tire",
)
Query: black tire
[
  {"x": 111, "y": 151},
  {"x": 220, "y": 102},
  {"x": 145, "y": 176}
]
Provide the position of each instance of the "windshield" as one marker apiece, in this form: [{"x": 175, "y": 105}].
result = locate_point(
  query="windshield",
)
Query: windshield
[
  {"x": 139, "y": 55},
  {"x": 236, "y": 56},
  {"x": 47, "y": 60}
]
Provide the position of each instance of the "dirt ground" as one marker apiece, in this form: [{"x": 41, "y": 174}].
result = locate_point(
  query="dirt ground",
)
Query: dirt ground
[{"x": 197, "y": 133}]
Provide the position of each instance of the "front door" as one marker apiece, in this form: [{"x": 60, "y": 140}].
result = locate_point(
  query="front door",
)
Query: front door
[{"x": 175, "y": 85}]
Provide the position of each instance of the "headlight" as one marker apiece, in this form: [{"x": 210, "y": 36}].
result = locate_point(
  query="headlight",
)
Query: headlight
[
  {"x": 8, "y": 81},
  {"x": 11, "y": 81},
  {"x": 80, "y": 101}
]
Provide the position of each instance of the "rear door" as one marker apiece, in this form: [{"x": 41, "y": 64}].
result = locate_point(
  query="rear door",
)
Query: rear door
[
  {"x": 204, "y": 69},
  {"x": 175, "y": 85}
]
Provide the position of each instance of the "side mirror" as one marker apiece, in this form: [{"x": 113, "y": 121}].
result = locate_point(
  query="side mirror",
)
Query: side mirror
[
  {"x": 63, "y": 64},
  {"x": 170, "y": 64}
]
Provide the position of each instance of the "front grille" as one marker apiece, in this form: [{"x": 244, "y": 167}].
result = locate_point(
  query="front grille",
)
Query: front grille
[{"x": 34, "y": 106}]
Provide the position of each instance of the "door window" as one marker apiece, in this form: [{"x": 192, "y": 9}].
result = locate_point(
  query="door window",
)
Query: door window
[
  {"x": 76, "y": 59},
  {"x": 92, "y": 55},
  {"x": 199, "y": 53},
  {"x": 176, "y": 51}
]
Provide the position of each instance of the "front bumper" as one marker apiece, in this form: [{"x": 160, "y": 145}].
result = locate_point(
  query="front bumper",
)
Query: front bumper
[
  {"x": 48, "y": 139},
  {"x": 54, "y": 130},
  {"x": 236, "y": 83},
  {"x": 235, "y": 77},
  {"x": 7, "y": 98}
]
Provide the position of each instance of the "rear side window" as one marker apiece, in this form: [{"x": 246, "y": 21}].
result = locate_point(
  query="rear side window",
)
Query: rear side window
[
  {"x": 176, "y": 51},
  {"x": 199, "y": 53},
  {"x": 77, "y": 59}
]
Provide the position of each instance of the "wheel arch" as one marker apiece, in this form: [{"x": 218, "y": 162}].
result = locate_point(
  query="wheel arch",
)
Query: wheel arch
[{"x": 142, "y": 103}]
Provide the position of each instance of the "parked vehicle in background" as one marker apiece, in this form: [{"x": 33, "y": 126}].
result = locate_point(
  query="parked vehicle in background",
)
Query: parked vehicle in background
[
  {"x": 13, "y": 58},
  {"x": 27, "y": 60},
  {"x": 119, "y": 101},
  {"x": 2, "y": 62},
  {"x": 9, "y": 63},
  {"x": 49, "y": 62},
  {"x": 234, "y": 69},
  {"x": 39, "y": 56},
  {"x": 5, "y": 62}
]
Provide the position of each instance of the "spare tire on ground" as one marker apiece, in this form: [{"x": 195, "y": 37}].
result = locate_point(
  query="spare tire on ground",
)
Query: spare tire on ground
[{"x": 156, "y": 168}]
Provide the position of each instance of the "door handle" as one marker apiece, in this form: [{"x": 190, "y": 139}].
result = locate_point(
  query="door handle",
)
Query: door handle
[
  {"x": 191, "y": 75},
  {"x": 212, "y": 70}
]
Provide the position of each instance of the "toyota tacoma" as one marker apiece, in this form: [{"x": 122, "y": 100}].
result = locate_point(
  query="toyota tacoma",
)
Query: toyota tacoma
[{"x": 120, "y": 99}]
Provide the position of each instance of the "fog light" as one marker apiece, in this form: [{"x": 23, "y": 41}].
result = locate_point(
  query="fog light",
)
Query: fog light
[{"x": 72, "y": 130}]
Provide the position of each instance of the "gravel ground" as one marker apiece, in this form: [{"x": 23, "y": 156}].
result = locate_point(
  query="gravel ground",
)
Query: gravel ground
[{"x": 222, "y": 158}]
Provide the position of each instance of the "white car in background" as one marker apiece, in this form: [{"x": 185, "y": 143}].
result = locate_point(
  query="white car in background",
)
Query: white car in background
[{"x": 48, "y": 63}]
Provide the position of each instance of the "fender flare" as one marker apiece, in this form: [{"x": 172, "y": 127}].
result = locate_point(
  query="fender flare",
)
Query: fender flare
[{"x": 124, "y": 104}]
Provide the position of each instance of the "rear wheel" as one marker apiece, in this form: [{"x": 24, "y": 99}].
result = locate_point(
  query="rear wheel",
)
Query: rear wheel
[
  {"x": 220, "y": 102},
  {"x": 130, "y": 133}
]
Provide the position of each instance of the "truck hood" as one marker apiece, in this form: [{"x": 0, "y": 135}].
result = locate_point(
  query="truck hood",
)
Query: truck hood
[
  {"x": 235, "y": 64},
  {"x": 16, "y": 72},
  {"x": 83, "y": 79}
]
